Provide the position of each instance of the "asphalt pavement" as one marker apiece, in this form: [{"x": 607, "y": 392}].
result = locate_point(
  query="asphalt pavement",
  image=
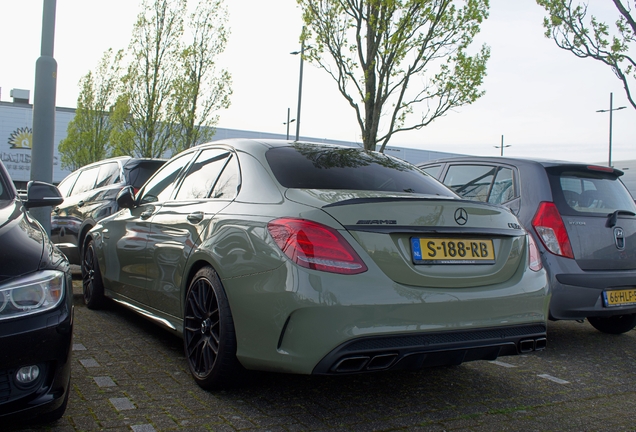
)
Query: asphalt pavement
[{"x": 128, "y": 374}]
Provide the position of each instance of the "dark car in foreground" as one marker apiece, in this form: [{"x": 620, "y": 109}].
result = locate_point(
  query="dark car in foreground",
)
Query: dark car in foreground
[
  {"x": 36, "y": 310},
  {"x": 89, "y": 196},
  {"x": 316, "y": 259},
  {"x": 584, "y": 221}
]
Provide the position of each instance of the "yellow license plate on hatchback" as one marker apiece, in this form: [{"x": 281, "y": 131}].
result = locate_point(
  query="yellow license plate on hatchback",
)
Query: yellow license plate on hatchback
[
  {"x": 452, "y": 251},
  {"x": 619, "y": 297}
]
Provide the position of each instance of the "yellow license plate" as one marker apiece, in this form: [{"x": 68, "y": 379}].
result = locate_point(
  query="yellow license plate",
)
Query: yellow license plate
[
  {"x": 452, "y": 251},
  {"x": 619, "y": 297}
]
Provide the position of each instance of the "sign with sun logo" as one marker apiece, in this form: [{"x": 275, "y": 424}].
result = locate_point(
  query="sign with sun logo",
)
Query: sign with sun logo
[{"x": 21, "y": 138}]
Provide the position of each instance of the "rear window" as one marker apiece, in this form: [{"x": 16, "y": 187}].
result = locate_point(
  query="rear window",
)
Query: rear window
[
  {"x": 303, "y": 166},
  {"x": 142, "y": 171},
  {"x": 589, "y": 192}
]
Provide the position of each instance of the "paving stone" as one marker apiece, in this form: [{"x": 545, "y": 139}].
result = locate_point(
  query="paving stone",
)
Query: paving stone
[
  {"x": 122, "y": 404},
  {"x": 89, "y": 363},
  {"x": 104, "y": 381},
  {"x": 143, "y": 428}
]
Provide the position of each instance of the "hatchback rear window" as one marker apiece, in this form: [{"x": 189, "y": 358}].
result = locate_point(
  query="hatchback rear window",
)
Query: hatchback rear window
[
  {"x": 589, "y": 192},
  {"x": 323, "y": 167},
  {"x": 141, "y": 172}
]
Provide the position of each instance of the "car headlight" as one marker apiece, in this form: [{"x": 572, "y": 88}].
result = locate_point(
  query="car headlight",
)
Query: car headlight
[{"x": 31, "y": 294}]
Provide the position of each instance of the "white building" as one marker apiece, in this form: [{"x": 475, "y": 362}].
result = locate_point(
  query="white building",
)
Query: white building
[{"x": 16, "y": 133}]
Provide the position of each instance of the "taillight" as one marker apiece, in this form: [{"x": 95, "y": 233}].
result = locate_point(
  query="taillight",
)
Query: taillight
[
  {"x": 548, "y": 224},
  {"x": 315, "y": 246},
  {"x": 534, "y": 257}
]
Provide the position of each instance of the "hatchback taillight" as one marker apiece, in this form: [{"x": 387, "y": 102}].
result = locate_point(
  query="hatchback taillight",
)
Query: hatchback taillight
[
  {"x": 534, "y": 257},
  {"x": 315, "y": 246},
  {"x": 549, "y": 226}
]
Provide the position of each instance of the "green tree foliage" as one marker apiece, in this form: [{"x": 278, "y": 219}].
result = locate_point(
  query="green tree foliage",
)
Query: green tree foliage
[
  {"x": 399, "y": 63},
  {"x": 148, "y": 85},
  {"x": 88, "y": 133},
  {"x": 199, "y": 91},
  {"x": 586, "y": 36}
]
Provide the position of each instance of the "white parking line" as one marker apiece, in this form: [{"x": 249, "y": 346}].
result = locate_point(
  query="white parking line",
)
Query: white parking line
[
  {"x": 555, "y": 379},
  {"x": 502, "y": 364}
]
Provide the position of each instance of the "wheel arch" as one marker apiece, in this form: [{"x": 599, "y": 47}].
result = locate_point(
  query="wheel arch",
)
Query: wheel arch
[
  {"x": 83, "y": 238},
  {"x": 192, "y": 270}
]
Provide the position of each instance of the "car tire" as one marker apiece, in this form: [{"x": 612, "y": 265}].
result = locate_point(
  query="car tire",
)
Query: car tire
[
  {"x": 615, "y": 324},
  {"x": 92, "y": 283},
  {"x": 208, "y": 333}
]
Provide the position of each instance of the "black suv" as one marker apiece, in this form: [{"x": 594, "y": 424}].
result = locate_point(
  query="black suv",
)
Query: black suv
[
  {"x": 584, "y": 219},
  {"x": 36, "y": 310},
  {"x": 89, "y": 196}
]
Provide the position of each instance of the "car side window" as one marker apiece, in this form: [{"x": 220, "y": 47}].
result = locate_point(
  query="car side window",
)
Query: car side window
[
  {"x": 432, "y": 170},
  {"x": 202, "y": 175},
  {"x": 228, "y": 183},
  {"x": 65, "y": 185},
  {"x": 503, "y": 189},
  {"x": 471, "y": 181},
  {"x": 108, "y": 174},
  {"x": 161, "y": 185},
  {"x": 85, "y": 181}
]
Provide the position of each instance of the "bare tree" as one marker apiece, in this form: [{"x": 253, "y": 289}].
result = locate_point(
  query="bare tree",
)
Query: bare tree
[
  {"x": 200, "y": 90},
  {"x": 588, "y": 37},
  {"x": 399, "y": 63}
]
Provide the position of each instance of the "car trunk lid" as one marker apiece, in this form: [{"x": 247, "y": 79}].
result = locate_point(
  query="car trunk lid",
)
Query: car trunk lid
[
  {"x": 599, "y": 216},
  {"x": 427, "y": 240}
]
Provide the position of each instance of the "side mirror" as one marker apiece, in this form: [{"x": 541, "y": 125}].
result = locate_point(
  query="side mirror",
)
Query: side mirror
[
  {"x": 126, "y": 198},
  {"x": 40, "y": 194}
]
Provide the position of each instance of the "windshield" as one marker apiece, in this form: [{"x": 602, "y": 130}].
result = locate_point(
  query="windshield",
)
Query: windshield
[{"x": 307, "y": 166}]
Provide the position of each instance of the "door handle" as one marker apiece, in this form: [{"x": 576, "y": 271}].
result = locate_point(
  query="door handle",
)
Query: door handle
[
  {"x": 195, "y": 217},
  {"x": 146, "y": 214}
]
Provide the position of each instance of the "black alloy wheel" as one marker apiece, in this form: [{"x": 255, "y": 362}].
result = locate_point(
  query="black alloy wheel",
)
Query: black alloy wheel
[
  {"x": 92, "y": 284},
  {"x": 208, "y": 332}
]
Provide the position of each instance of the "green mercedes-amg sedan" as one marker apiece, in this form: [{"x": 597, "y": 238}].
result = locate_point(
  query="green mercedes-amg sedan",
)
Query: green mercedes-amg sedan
[{"x": 316, "y": 259}]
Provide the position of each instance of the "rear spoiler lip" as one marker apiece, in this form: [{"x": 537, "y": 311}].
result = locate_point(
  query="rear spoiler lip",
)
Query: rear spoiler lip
[
  {"x": 353, "y": 201},
  {"x": 418, "y": 230}
]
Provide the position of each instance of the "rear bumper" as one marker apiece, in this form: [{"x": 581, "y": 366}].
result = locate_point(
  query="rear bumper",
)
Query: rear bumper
[
  {"x": 302, "y": 321},
  {"x": 419, "y": 350},
  {"x": 580, "y": 295}
]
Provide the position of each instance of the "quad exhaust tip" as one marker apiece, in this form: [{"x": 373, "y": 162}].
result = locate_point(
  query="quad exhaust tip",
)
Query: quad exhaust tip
[
  {"x": 529, "y": 345},
  {"x": 365, "y": 363}
]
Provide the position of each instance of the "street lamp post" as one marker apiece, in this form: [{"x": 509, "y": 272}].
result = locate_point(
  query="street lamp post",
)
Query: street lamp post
[
  {"x": 502, "y": 145},
  {"x": 288, "y": 122},
  {"x": 44, "y": 110},
  {"x": 610, "y": 110},
  {"x": 300, "y": 85}
]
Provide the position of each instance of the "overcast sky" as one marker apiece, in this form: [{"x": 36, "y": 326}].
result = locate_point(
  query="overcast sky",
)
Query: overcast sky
[{"x": 542, "y": 99}]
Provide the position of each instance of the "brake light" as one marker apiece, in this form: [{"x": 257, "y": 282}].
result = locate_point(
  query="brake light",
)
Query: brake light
[
  {"x": 315, "y": 246},
  {"x": 600, "y": 168},
  {"x": 534, "y": 257},
  {"x": 549, "y": 226}
]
